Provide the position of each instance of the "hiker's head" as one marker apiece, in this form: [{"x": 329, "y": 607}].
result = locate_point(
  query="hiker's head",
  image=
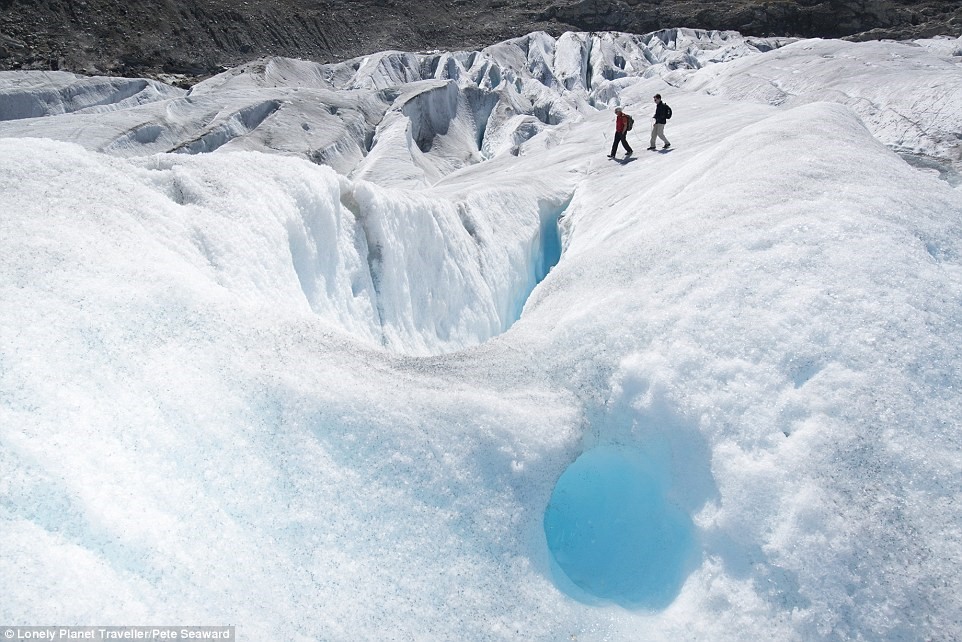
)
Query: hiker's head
[
  {"x": 617, "y": 110},
  {"x": 657, "y": 98}
]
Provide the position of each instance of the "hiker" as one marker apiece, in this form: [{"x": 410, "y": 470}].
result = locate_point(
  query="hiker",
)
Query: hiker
[
  {"x": 621, "y": 130},
  {"x": 662, "y": 114}
]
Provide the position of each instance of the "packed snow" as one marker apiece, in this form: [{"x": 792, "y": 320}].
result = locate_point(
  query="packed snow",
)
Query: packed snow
[{"x": 389, "y": 349}]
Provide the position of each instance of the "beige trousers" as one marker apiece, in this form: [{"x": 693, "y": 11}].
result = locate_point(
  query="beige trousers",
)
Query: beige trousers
[{"x": 658, "y": 131}]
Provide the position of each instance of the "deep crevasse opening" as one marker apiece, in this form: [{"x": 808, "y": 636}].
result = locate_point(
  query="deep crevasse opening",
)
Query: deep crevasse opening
[
  {"x": 546, "y": 250},
  {"x": 434, "y": 274},
  {"x": 413, "y": 272}
]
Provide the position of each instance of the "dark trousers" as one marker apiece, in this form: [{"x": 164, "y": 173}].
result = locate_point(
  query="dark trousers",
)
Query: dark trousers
[{"x": 620, "y": 138}]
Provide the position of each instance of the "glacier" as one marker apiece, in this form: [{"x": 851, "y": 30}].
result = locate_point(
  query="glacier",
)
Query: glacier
[{"x": 388, "y": 349}]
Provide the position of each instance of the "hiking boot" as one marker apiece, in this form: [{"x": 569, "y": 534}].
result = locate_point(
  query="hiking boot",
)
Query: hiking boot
[
  {"x": 651, "y": 149},
  {"x": 667, "y": 145},
  {"x": 629, "y": 154}
]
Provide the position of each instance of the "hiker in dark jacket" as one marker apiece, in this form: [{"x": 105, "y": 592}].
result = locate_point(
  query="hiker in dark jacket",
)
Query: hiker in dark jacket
[
  {"x": 621, "y": 130},
  {"x": 658, "y": 127}
]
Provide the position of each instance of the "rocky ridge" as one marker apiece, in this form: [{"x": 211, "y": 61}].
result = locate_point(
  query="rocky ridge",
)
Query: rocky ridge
[{"x": 174, "y": 39}]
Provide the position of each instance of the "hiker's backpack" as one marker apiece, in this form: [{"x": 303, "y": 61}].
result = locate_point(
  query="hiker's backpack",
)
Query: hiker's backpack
[
  {"x": 667, "y": 111},
  {"x": 631, "y": 123}
]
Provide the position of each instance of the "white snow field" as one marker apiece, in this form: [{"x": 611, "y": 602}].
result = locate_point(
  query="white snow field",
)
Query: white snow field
[{"x": 390, "y": 350}]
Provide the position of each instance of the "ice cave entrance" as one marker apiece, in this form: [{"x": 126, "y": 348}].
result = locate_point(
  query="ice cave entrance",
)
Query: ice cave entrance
[{"x": 614, "y": 534}]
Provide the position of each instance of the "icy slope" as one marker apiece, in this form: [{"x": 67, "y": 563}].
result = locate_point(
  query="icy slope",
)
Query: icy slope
[
  {"x": 420, "y": 115},
  {"x": 909, "y": 98},
  {"x": 217, "y": 402}
]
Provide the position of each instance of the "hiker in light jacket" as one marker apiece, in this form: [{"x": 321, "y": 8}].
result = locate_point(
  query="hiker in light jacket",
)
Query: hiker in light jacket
[{"x": 658, "y": 127}]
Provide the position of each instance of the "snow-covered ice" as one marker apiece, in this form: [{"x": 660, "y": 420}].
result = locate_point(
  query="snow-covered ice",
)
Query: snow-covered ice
[{"x": 388, "y": 349}]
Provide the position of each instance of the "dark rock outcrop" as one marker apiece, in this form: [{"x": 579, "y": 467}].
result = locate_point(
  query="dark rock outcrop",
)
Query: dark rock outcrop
[{"x": 197, "y": 38}]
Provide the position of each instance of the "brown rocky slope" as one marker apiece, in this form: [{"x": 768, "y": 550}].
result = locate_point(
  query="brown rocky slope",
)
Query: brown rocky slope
[{"x": 200, "y": 37}]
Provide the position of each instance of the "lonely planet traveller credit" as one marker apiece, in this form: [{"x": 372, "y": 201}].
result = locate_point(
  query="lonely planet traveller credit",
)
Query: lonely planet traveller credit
[{"x": 117, "y": 633}]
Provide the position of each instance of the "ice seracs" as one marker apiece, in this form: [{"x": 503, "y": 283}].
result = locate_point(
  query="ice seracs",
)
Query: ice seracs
[{"x": 420, "y": 116}]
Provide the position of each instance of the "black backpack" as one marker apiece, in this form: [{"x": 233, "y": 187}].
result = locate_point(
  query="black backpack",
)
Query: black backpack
[
  {"x": 667, "y": 111},
  {"x": 631, "y": 123}
]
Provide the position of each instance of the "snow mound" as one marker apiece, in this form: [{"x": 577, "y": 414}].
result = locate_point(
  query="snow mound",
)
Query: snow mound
[{"x": 910, "y": 99}]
